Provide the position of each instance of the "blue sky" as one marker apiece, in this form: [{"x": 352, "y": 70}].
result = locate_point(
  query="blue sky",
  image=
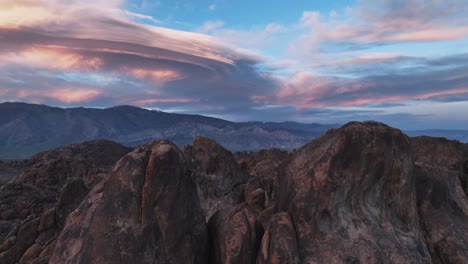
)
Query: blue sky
[{"x": 400, "y": 62}]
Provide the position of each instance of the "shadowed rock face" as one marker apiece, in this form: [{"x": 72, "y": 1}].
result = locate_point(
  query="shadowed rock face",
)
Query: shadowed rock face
[
  {"x": 34, "y": 239},
  {"x": 38, "y": 185},
  {"x": 279, "y": 243},
  {"x": 442, "y": 204},
  {"x": 148, "y": 212},
  {"x": 217, "y": 174},
  {"x": 265, "y": 163},
  {"x": 441, "y": 152},
  {"x": 351, "y": 197},
  {"x": 235, "y": 235}
]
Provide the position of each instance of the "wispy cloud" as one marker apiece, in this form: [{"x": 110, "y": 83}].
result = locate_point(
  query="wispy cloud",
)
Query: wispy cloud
[
  {"x": 385, "y": 22},
  {"x": 211, "y": 25}
]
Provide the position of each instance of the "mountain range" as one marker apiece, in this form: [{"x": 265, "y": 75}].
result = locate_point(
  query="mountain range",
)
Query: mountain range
[{"x": 26, "y": 129}]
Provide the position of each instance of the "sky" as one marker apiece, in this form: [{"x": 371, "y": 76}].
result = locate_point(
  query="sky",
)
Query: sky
[{"x": 402, "y": 62}]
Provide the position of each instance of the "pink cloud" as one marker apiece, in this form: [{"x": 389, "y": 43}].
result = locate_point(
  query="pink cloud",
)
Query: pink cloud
[
  {"x": 66, "y": 95},
  {"x": 385, "y": 21}
]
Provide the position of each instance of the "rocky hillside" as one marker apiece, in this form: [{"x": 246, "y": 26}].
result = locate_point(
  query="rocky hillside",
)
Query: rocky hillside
[
  {"x": 26, "y": 129},
  {"x": 363, "y": 193}
]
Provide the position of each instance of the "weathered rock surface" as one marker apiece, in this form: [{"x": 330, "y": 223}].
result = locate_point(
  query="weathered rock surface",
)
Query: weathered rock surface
[
  {"x": 147, "y": 212},
  {"x": 442, "y": 204},
  {"x": 33, "y": 240},
  {"x": 364, "y": 193},
  {"x": 279, "y": 243},
  {"x": 266, "y": 163},
  {"x": 351, "y": 197},
  {"x": 235, "y": 235},
  {"x": 218, "y": 176},
  {"x": 441, "y": 152},
  {"x": 37, "y": 188}
]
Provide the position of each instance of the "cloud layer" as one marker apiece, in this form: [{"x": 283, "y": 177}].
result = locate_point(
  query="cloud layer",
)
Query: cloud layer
[{"x": 94, "y": 53}]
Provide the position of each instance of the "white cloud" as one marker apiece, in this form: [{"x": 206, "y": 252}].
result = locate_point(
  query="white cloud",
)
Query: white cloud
[
  {"x": 273, "y": 28},
  {"x": 211, "y": 25},
  {"x": 141, "y": 16},
  {"x": 212, "y": 7}
]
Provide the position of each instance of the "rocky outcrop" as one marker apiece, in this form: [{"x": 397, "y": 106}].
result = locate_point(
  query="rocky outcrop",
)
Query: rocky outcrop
[
  {"x": 279, "y": 243},
  {"x": 39, "y": 184},
  {"x": 266, "y": 163},
  {"x": 147, "y": 212},
  {"x": 235, "y": 235},
  {"x": 218, "y": 176},
  {"x": 364, "y": 193},
  {"x": 351, "y": 197},
  {"x": 442, "y": 203},
  {"x": 34, "y": 239},
  {"x": 441, "y": 152}
]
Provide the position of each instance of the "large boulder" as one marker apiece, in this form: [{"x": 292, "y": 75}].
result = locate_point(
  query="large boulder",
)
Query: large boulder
[
  {"x": 147, "y": 212},
  {"x": 218, "y": 176},
  {"x": 351, "y": 197}
]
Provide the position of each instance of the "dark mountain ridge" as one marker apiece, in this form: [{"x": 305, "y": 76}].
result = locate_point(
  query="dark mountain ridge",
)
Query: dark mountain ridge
[{"x": 26, "y": 129}]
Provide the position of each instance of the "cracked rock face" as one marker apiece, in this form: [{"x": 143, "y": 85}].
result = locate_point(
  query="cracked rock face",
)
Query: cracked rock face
[
  {"x": 350, "y": 195},
  {"x": 147, "y": 212}
]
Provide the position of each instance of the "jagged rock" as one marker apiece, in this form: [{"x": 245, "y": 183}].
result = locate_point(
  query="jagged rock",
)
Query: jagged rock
[
  {"x": 217, "y": 174},
  {"x": 147, "y": 212},
  {"x": 351, "y": 197},
  {"x": 279, "y": 244},
  {"x": 37, "y": 188},
  {"x": 445, "y": 153},
  {"x": 31, "y": 242},
  {"x": 235, "y": 235},
  {"x": 265, "y": 163},
  {"x": 18, "y": 242},
  {"x": 259, "y": 193},
  {"x": 71, "y": 196},
  {"x": 85, "y": 160},
  {"x": 443, "y": 210},
  {"x": 442, "y": 204}
]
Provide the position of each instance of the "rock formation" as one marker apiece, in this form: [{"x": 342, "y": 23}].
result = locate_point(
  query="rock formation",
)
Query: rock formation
[
  {"x": 265, "y": 163},
  {"x": 363, "y": 193},
  {"x": 351, "y": 197},
  {"x": 147, "y": 212},
  {"x": 217, "y": 174},
  {"x": 442, "y": 203},
  {"x": 35, "y": 203}
]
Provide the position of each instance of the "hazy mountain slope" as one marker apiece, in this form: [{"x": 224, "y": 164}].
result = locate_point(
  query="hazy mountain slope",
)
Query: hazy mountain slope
[{"x": 26, "y": 129}]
